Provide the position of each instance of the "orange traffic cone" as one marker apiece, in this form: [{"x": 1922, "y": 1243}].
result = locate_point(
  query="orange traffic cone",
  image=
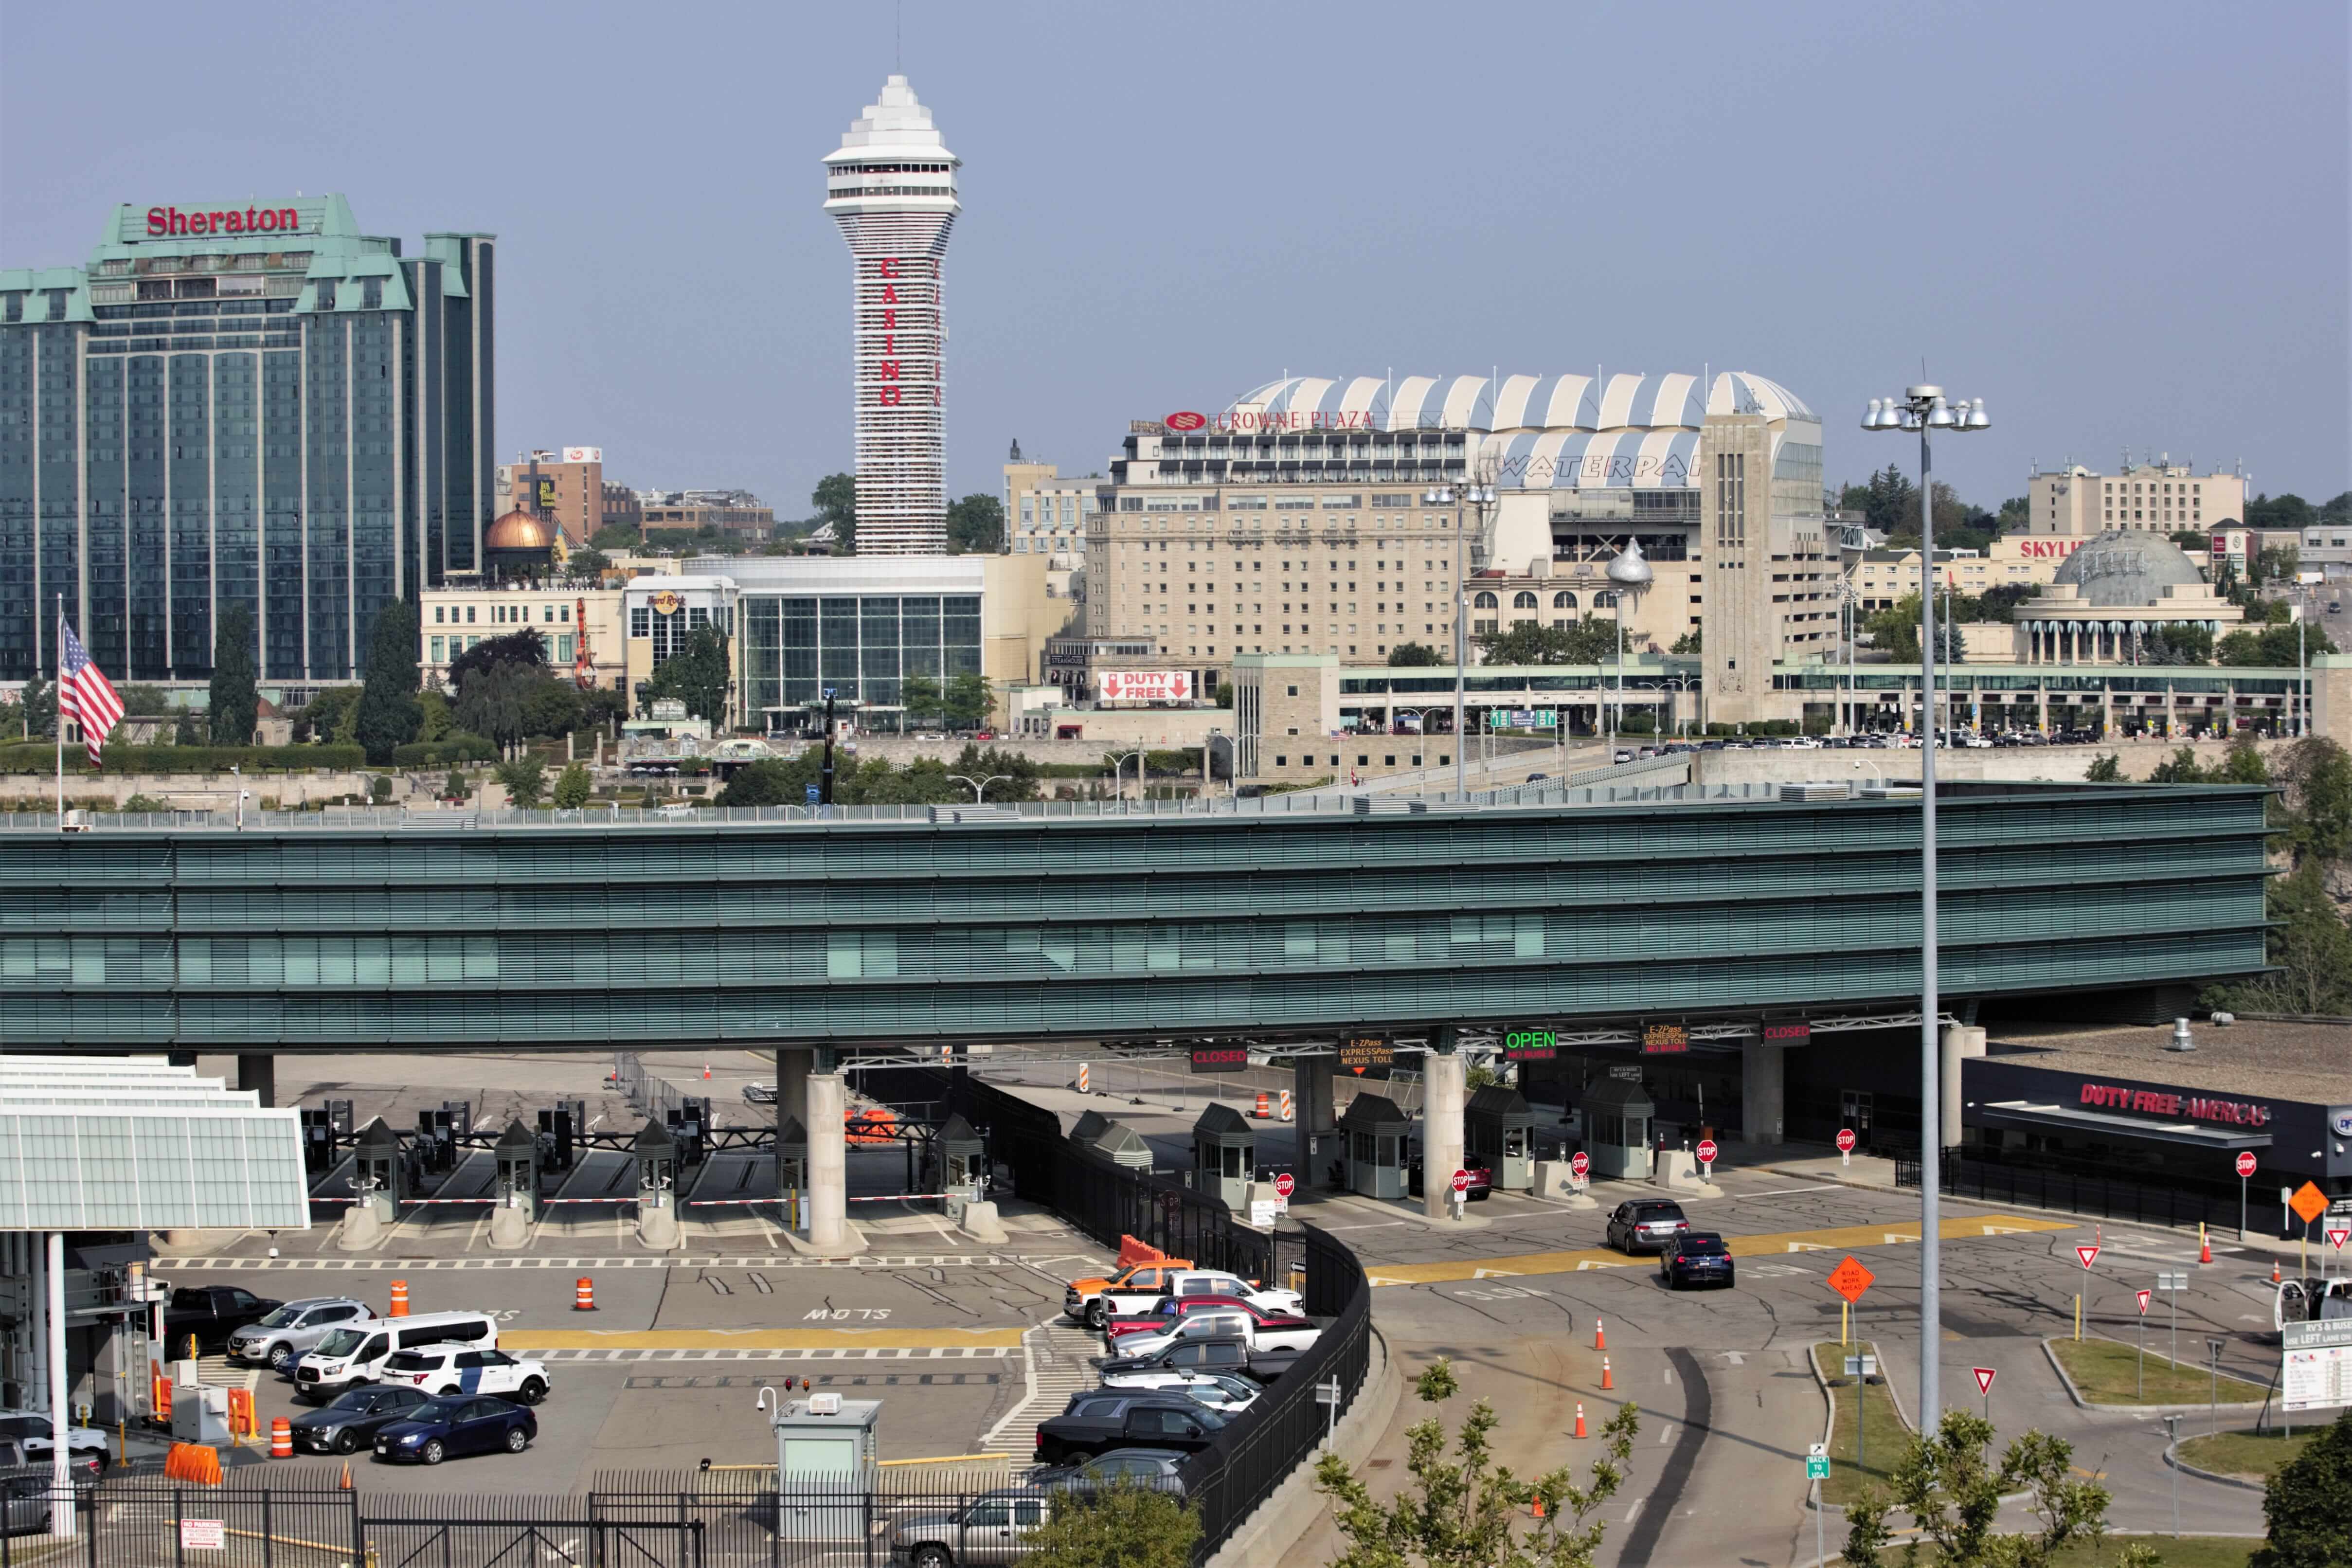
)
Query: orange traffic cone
[
  {"x": 346, "y": 1484},
  {"x": 2274, "y": 1271},
  {"x": 1600, "y": 1337},
  {"x": 706, "y": 1069},
  {"x": 1535, "y": 1507},
  {"x": 583, "y": 1295},
  {"x": 1606, "y": 1382},
  {"x": 1265, "y": 1107},
  {"x": 1579, "y": 1418},
  {"x": 281, "y": 1438},
  {"x": 2204, "y": 1245},
  {"x": 399, "y": 1308}
]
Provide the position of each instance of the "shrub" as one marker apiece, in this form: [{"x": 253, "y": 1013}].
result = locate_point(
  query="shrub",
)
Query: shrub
[
  {"x": 119, "y": 760},
  {"x": 441, "y": 754}
]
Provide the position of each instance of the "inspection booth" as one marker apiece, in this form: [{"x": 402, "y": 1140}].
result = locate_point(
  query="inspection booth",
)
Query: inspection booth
[
  {"x": 656, "y": 1155},
  {"x": 517, "y": 1155},
  {"x": 1498, "y": 1131},
  {"x": 1123, "y": 1145},
  {"x": 1091, "y": 1127},
  {"x": 825, "y": 1456},
  {"x": 957, "y": 1157},
  {"x": 1224, "y": 1156},
  {"x": 377, "y": 1165},
  {"x": 1618, "y": 1114},
  {"x": 1376, "y": 1132}
]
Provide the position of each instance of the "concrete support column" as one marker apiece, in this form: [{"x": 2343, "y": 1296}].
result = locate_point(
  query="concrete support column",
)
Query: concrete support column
[
  {"x": 1960, "y": 1041},
  {"x": 1763, "y": 1098},
  {"x": 792, "y": 1063},
  {"x": 258, "y": 1071},
  {"x": 828, "y": 1162},
  {"x": 1442, "y": 1094},
  {"x": 1310, "y": 1103},
  {"x": 53, "y": 1339}
]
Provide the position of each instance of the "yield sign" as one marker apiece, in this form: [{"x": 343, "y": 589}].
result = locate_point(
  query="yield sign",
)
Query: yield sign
[
  {"x": 1985, "y": 1375},
  {"x": 2143, "y": 1296},
  {"x": 2337, "y": 1237},
  {"x": 2089, "y": 1255}
]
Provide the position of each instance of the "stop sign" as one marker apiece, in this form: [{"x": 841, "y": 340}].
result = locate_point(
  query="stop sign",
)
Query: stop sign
[
  {"x": 2246, "y": 1163},
  {"x": 1706, "y": 1150},
  {"x": 1845, "y": 1140},
  {"x": 1284, "y": 1184},
  {"x": 1578, "y": 1164},
  {"x": 1461, "y": 1181}
]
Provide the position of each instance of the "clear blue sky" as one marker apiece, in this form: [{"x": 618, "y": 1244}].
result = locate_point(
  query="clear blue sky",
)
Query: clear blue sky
[{"x": 2119, "y": 224}]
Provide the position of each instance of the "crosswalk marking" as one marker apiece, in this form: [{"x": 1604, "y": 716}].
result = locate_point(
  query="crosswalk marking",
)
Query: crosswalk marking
[{"x": 1058, "y": 1359}]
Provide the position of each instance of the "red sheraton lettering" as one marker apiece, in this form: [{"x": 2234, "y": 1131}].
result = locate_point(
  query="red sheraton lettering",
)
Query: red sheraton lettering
[{"x": 170, "y": 222}]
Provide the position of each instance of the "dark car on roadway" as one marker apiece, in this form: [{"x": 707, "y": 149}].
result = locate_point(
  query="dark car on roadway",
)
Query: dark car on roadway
[
  {"x": 1118, "y": 1418},
  {"x": 1645, "y": 1224},
  {"x": 461, "y": 1424},
  {"x": 1156, "y": 1470},
  {"x": 1695, "y": 1257},
  {"x": 1225, "y": 1352},
  {"x": 212, "y": 1313},
  {"x": 350, "y": 1421}
]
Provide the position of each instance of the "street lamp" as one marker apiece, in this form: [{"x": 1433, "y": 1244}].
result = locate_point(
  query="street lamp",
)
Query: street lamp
[
  {"x": 1117, "y": 760},
  {"x": 978, "y": 787},
  {"x": 1630, "y": 575},
  {"x": 1478, "y": 498},
  {"x": 1924, "y": 409}
]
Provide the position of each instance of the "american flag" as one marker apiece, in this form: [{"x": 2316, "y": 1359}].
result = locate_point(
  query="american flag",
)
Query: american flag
[{"x": 84, "y": 696}]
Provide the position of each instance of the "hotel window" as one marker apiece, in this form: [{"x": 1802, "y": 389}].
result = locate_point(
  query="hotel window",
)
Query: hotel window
[
  {"x": 436, "y": 615},
  {"x": 371, "y": 294},
  {"x": 325, "y": 294},
  {"x": 641, "y": 621},
  {"x": 437, "y": 650},
  {"x": 469, "y": 615}
]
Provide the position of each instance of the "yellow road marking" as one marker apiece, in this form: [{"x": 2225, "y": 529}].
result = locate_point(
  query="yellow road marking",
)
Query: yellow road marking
[
  {"x": 1846, "y": 1239},
  {"x": 757, "y": 1338}
]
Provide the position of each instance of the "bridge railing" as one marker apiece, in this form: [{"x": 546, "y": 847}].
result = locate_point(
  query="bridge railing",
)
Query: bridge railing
[{"x": 1281, "y": 1429}]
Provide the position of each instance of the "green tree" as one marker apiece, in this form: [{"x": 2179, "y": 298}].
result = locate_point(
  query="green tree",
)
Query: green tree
[
  {"x": 525, "y": 649},
  {"x": 2242, "y": 764},
  {"x": 2179, "y": 768},
  {"x": 836, "y": 498},
  {"x": 966, "y": 701},
  {"x": 696, "y": 674},
  {"x": 2272, "y": 646},
  {"x": 525, "y": 778},
  {"x": 492, "y": 700},
  {"x": 2289, "y": 511},
  {"x": 1951, "y": 1488},
  {"x": 1896, "y": 630},
  {"x": 144, "y": 701},
  {"x": 1414, "y": 655},
  {"x": 2178, "y": 642},
  {"x": 433, "y": 721},
  {"x": 572, "y": 788},
  {"x": 921, "y": 697},
  {"x": 38, "y": 710},
  {"x": 233, "y": 701},
  {"x": 1690, "y": 643},
  {"x": 328, "y": 713},
  {"x": 588, "y": 562},
  {"x": 388, "y": 715},
  {"x": 2310, "y": 948},
  {"x": 1590, "y": 641},
  {"x": 454, "y": 787},
  {"x": 1461, "y": 1510},
  {"x": 1015, "y": 775},
  {"x": 1126, "y": 1526},
  {"x": 616, "y": 538},
  {"x": 145, "y": 803},
  {"x": 552, "y": 707},
  {"x": 773, "y": 782},
  {"x": 2108, "y": 769},
  {"x": 2277, "y": 564},
  {"x": 975, "y": 525},
  {"x": 2316, "y": 776},
  {"x": 2307, "y": 1504}
]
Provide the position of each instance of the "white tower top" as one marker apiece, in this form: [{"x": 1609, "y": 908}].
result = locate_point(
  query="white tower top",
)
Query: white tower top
[{"x": 898, "y": 123}]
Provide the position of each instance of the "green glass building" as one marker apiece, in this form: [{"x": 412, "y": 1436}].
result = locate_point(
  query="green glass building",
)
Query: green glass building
[{"x": 255, "y": 405}]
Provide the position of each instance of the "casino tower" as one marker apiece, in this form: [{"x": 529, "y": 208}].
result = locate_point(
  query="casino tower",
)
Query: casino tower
[{"x": 892, "y": 188}]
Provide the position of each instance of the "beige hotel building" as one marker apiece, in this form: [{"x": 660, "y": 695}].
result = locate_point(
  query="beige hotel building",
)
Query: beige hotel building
[{"x": 2161, "y": 497}]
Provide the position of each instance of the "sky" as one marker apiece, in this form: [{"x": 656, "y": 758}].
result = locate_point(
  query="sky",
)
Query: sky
[{"x": 2122, "y": 226}]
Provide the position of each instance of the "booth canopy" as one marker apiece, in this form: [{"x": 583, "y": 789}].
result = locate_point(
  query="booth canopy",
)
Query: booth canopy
[{"x": 1374, "y": 1114}]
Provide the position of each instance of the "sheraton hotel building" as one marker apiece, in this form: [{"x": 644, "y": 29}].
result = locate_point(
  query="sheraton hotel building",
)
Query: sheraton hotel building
[{"x": 258, "y": 406}]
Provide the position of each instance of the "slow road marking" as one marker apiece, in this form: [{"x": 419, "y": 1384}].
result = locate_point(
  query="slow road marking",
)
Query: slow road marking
[{"x": 1844, "y": 1239}]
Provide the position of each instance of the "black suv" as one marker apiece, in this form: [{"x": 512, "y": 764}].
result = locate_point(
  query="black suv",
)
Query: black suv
[
  {"x": 1695, "y": 1257},
  {"x": 1645, "y": 1225},
  {"x": 1097, "y": 1423}
]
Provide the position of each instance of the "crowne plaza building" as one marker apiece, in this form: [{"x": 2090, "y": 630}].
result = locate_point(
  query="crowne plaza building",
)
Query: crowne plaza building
[{"x": 252, "y": 405}]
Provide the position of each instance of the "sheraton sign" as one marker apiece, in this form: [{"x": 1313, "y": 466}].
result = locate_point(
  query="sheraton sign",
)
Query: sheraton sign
[{"x": 168, "y": 223}]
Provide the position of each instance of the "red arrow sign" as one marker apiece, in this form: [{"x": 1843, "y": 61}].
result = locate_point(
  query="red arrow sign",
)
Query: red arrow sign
[
  {"x": 1985, "y": 1375},
  {"x": 1845, "y": 1140},
  {"x": 2143, "y": 1298},
  {"x": 1284, "y": 1184},
  {"x": 2089, "y": 1255},
  {"x": 2246, "y": 1163}
]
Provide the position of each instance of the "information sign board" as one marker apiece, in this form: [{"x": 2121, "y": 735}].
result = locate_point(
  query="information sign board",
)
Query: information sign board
[{"x": 1358, "y": 1052}]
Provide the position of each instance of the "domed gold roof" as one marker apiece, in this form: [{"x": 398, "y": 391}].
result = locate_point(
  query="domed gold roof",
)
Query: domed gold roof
[{"x": 519, "y": 529}]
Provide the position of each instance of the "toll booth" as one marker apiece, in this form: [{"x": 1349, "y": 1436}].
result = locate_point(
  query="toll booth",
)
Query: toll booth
[
  {"x": 656, "y": 1156},
  {"x": 1123, "y": 1145},
  {"x": 517, "y": 1153},
  {"x": 1091, "y": 1126},
  {"x": 1498, "y": 1131},
  {"x": 377, "y": 1163},
  {"x": 438, "y": 1134},
  {"x": 1224, "y": 1156},
  {"x": 559, "y": 1126},
  {"x": 1375, "y": 1132},
  {"x": 690, "y": 1128},
  {"x": 962, "y": 1158},
  {"x": 1618, "y": 1113},
  {"x": 318, "y": 1140}
]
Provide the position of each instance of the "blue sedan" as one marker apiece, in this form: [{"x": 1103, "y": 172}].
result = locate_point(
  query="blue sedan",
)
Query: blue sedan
[
  {"x": 434, "y": 1431},
  {"x": 1695, "y": 1257}
]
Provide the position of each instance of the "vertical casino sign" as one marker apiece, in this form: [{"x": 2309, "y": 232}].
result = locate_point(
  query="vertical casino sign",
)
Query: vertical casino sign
[{"x": 900, "y": 321}]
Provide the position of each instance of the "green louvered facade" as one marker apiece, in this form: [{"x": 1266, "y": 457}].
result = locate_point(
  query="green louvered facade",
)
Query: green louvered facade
[{"x": 581, "y": 937}]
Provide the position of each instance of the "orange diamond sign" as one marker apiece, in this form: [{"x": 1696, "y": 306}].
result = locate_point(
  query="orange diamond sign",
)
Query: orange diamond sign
[
  {"x": 2308, "y": 1203},
  {"x": 1850, "y": 1279}
]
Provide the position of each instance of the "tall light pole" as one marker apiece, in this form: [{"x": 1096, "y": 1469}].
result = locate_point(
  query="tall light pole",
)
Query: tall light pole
[
  {"x": 1924, "y": 409},
  {"x": 1478, "y": 498},
  {"x": 1628, "y": 574},
  {"x": 980, "y": 786}
]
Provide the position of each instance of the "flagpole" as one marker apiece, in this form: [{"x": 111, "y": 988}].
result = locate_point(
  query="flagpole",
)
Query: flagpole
[{"x": 57, "y": 710}]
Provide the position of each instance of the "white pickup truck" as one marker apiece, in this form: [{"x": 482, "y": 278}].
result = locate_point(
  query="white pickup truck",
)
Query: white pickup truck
[
  {"x": 1145, "y": 1288},
  {"x": 1260, "y": 1333}
]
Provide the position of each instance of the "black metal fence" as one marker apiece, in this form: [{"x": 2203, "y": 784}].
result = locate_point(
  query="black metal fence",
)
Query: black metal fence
[
  {"x": 2070, "y": 1191},
  {"x": 1281, "y": 1430}
]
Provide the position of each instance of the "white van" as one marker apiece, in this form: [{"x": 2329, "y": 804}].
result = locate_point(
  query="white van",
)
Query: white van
[{"x": 357, "y": 1354}]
